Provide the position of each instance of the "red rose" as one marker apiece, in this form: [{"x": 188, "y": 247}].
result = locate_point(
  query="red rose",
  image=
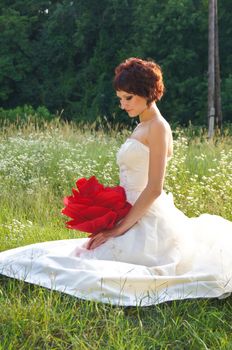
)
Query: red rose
[{"x": 93, "y": 207}]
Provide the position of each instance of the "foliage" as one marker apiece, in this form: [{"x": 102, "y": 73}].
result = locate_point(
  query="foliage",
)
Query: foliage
[
  {"x": 62, "y": 54},
  {"x": 23, "y": 115}
]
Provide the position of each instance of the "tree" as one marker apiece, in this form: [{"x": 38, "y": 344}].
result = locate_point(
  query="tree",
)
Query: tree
[
  {"x": 20, "y": 25},
  {"x": 218, "y": 108},
  {"x": 62, "y": 54},
  {"x": 211, "y": 69},
  {"x": 214, "y": 98}
]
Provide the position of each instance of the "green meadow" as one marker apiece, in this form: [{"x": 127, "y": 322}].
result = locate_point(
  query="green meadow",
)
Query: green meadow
[{"x": 38, "y": 167}]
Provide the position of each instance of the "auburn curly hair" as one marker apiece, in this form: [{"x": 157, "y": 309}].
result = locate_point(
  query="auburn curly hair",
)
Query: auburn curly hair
[{"x": 140, "y": 77}]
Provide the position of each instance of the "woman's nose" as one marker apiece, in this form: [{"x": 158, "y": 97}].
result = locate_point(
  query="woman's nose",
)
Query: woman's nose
[{"x": 123, "y": 105}]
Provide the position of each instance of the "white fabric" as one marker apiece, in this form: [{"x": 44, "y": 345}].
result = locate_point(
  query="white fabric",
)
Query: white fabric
[{"x": 165, "y": 256}]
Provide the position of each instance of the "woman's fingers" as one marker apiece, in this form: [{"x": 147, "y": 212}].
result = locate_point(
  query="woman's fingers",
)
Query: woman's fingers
[
  {"x": 100, "y": 238},
  {"x": 96, "y": 241},
  {"x": 90, "y": 243}
]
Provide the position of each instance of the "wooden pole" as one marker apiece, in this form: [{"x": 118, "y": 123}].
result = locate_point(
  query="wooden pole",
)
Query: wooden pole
[
  {"x": 218, "y": 108},
  {"x": 211, "y": 68}
]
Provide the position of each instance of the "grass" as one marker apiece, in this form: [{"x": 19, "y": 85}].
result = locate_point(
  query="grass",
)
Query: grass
[{"x": 38, "y": 167}]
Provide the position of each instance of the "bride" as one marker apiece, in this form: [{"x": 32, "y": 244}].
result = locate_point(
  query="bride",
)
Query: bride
[{"x": 155, "y": 253}]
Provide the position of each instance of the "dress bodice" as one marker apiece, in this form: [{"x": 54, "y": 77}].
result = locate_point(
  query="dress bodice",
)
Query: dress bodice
[{"x": 133, "y": 161}]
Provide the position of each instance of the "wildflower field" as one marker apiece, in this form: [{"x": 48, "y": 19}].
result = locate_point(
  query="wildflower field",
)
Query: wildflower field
[{"x": 38, "y": 167}]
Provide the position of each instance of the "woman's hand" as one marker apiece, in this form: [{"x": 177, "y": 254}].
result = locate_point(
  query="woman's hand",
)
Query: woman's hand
[{"x": 101, "y": 237}]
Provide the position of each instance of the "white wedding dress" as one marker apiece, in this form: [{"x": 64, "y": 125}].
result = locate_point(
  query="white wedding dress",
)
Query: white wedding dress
[{"x": 165, "y": 256}]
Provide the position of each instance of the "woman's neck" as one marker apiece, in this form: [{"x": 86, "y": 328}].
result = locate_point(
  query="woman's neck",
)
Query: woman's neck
[{"x": 149, "y": 113}]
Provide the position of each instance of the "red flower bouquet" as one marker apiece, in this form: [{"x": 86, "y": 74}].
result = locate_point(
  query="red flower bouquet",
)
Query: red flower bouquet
[{"x": 94, "y": 207}]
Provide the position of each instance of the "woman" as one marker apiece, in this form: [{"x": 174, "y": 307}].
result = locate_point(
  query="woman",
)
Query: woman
[
  {"x": 155, "y": 253},
  {"x": 139, "y": 85}
]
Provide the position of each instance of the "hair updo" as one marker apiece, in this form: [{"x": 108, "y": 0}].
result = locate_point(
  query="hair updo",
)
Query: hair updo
[{"x": 140, "y": 77}]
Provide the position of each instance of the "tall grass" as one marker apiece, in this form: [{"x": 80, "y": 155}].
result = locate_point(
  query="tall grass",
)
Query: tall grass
[{"x": 38, "y": 167}]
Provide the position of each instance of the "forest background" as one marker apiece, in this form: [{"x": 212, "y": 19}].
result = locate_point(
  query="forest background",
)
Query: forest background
[{"x": 59, "y": 56}]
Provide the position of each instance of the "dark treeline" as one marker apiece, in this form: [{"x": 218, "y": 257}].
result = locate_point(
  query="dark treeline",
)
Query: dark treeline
[{"x": 62, "y": 54}]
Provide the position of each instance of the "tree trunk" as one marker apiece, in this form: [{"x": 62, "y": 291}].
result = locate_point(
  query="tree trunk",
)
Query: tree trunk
[
  {"x": 218, "y": 109},
  {"x": 211, "y": 68}
]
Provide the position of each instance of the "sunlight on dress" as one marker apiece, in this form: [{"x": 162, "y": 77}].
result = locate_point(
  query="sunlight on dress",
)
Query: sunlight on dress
[{"x": 164, "y": 256}]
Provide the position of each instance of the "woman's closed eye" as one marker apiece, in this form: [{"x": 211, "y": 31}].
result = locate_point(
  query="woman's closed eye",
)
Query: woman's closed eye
[{"x": 126, "y": 99}]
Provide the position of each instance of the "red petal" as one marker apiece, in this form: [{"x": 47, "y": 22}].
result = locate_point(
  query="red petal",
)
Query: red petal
[
  {"x": 81, "y": 182},
  {"x": 93, "y": 212},
  {"x": 73, "y": 210},
  {"x": 83, "y": 213},
  {"x": 123, "y": 212},
  {"x": 119, "y": 189},
  {"x": 109, "y": 199},
  {"x": 89, "y": 187},
  {"x": 78, "y": 200},
  {"x": 96, "y": 225},
  {"x": 75, "y": 192}
]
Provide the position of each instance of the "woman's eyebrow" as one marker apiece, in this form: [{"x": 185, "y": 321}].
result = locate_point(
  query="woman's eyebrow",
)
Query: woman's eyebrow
[{"x": 126, "y": 95}]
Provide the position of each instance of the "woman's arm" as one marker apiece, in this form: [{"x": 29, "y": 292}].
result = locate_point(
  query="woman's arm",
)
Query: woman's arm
[{"x": 158, "y": 139}]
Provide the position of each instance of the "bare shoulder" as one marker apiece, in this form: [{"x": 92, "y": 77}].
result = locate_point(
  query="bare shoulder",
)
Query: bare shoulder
[
  {"x": 160, "y": 136},
  {"x": 159, "y": 127}
]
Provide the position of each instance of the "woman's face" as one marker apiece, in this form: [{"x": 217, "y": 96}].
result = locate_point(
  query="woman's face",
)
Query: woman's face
[{"x": 134, "y": 105}]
